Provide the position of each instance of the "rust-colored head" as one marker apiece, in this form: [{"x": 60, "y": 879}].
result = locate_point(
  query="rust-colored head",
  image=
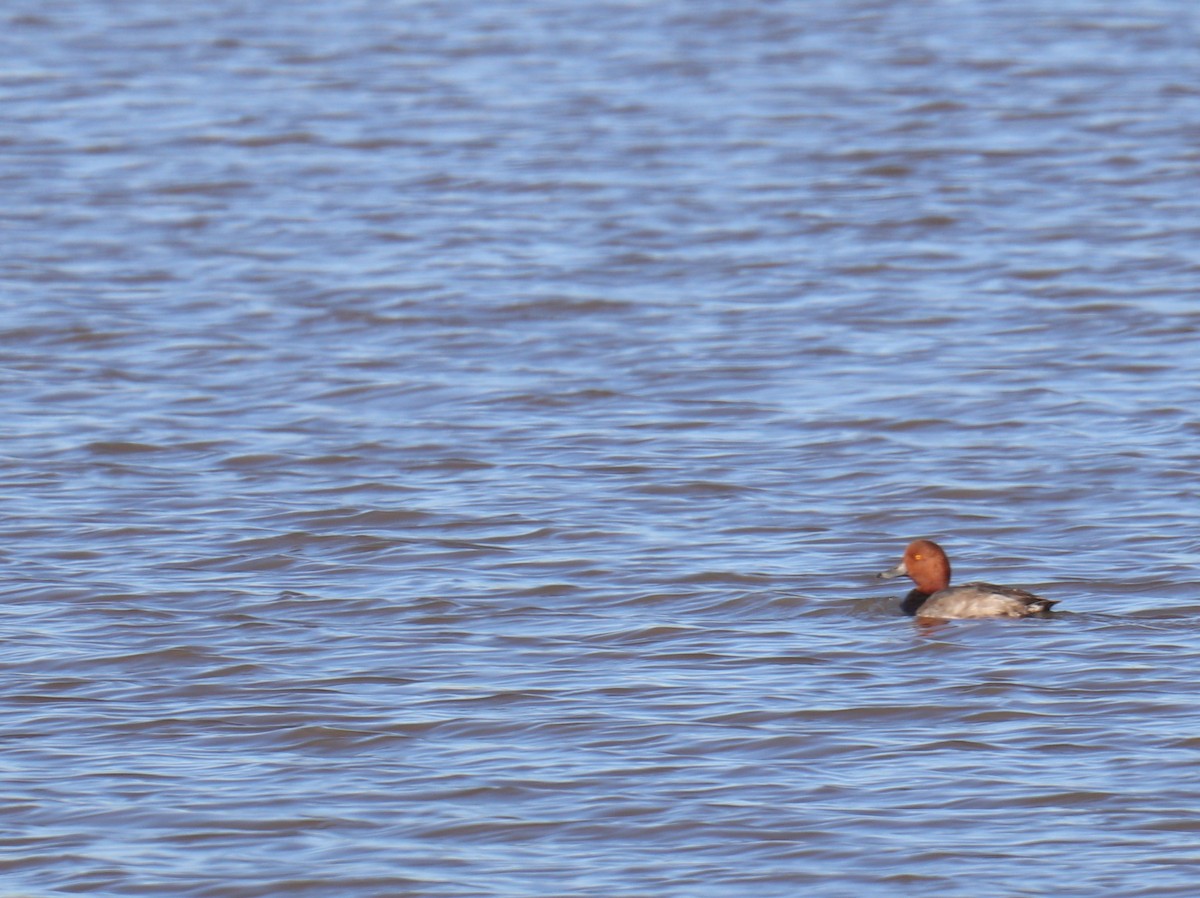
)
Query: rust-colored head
[{"x": 925, "y": 563}]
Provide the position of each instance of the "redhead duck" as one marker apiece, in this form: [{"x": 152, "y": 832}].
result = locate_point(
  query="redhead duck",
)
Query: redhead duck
[{"x": 928, "y": 567}]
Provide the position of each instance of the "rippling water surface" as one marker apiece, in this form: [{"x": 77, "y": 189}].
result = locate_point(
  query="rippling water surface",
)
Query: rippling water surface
[{"x": 447, "y": 447}]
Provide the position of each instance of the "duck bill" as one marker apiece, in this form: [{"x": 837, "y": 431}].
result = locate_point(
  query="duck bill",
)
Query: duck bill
[{"x": 898, "y": 571}]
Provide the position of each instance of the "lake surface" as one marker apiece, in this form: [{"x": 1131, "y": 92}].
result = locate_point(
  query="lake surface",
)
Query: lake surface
[{"x": 448, "y": 445}]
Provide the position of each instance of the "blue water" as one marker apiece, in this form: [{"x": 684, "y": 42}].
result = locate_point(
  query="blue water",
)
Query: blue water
[{"x": 447, "y": 448}]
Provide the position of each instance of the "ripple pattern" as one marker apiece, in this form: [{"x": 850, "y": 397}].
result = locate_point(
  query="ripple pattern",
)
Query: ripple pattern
[{"x": 447, "y": 448}]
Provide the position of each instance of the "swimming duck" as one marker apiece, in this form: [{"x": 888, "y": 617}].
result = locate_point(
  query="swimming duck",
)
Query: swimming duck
[{"x": 929, "y": 568}]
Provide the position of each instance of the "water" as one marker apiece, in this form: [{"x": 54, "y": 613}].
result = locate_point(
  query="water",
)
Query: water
[{"x": 447, "y": 448}]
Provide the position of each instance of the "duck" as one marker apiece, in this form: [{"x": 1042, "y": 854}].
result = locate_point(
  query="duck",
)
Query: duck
[{"x": 926, "y": 564}]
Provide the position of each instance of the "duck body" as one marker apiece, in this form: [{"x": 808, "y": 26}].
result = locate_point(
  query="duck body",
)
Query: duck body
[
  {"x": 926, "y": 564},
  {"x": 975, "y": 600}
]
